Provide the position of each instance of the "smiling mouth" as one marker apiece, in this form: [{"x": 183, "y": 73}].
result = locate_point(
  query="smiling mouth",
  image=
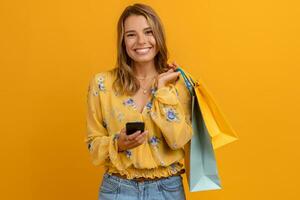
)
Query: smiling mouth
[{"x": 142, "y": 51}]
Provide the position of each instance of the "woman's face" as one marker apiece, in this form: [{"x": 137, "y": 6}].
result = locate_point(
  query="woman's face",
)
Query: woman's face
[{"x": 139, "y": 40}]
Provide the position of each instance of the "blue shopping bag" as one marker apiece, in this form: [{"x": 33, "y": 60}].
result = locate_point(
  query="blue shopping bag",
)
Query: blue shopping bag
[{"x": 208, "y": 126}]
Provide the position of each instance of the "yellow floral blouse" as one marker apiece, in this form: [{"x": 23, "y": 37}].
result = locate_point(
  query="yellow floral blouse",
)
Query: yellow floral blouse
[{"x": 166, "y": 116}]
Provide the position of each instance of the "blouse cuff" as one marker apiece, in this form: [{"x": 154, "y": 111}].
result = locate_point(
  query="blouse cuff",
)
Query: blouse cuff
[
  {"x": 114, "y": 155},
  {"x": 167, "y": 95}
]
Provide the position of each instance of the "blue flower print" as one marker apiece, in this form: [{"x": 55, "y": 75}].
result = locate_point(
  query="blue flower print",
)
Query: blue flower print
[
  {"x": 100, "y": 81},
  {"x": 128, "y": 153},
  {"x": 171, "y": 114},
  {"x": 149, "y": 105},
  {"x": 154, "y": 141},
  {"x": 129, "y": 102},
  {"x": 153, "y": 90}
]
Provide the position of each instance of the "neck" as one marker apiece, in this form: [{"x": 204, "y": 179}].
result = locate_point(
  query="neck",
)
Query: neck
[{"x": 144, "y": 69}]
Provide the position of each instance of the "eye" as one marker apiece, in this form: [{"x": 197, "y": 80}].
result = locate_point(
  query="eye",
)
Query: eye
[
  {"x": 149, "y": 32},
  {"x": 130, "y": 35}
]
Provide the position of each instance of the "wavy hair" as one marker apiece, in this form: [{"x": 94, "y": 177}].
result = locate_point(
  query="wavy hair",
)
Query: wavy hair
[{"x": 125, "y": 82}]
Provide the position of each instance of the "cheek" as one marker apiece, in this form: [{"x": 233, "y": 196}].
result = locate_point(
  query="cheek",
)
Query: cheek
[
  {"x": 128, "y": 44},
  {"x": 152, "y": 41}
]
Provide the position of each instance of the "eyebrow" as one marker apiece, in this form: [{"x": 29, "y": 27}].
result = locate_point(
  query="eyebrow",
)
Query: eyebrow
[{"x": 134, "y": 31}]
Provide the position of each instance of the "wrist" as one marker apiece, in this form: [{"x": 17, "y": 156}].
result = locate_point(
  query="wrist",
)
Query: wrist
[
  {"x": 120, "y": 150},
  {"x": 119, "y": 147},
  {"x": 160, "y": 85}
]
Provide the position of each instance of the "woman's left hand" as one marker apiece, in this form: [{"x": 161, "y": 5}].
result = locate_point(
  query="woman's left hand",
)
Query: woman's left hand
[
  {"x": 173, "y": 65},
  {"x": 169, "y": 76}
]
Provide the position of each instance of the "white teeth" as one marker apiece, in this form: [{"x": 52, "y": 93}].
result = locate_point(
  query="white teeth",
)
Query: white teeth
[{"x": 142, "y": 51}]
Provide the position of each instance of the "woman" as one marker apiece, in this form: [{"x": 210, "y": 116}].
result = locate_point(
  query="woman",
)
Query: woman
[{"x": 142, "y": 87}]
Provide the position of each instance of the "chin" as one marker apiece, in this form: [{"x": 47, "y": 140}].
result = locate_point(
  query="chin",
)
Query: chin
[{"x": 144, "y": 59}]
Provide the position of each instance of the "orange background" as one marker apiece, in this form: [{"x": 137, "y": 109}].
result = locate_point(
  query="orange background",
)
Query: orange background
[{"x": 247, "y": 52}]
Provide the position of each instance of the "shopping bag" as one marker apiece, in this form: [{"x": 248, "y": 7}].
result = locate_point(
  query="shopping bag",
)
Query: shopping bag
[
  {"x": 208, "y": 124},
  {"x": 218, "y": 127}
]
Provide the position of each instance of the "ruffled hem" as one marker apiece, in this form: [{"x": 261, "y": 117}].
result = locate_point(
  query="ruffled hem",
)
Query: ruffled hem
[{"x": 159, "y": 172}]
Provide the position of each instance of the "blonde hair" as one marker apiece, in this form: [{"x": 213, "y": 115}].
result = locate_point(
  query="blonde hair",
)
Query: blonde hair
[{"x": 125, "y": 82}]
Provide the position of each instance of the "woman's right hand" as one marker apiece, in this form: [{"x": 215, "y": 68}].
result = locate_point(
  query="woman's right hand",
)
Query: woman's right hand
[{"x": 130, "y": 141}]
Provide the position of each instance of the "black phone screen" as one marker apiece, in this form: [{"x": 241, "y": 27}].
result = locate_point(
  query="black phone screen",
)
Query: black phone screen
[{"x": 132, "y": 127}]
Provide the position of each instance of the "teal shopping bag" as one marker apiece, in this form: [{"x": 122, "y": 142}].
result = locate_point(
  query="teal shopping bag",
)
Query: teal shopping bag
[
  {"x": 200, "y": 162},
  {"x": 203, "y": 174}
]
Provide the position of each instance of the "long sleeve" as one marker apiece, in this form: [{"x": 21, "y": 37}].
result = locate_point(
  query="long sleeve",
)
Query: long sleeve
[
  {"x": 171, "y": 116},
  {"x": 100, "y": 144}
]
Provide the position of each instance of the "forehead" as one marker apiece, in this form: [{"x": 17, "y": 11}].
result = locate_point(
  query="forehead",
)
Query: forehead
[{"x": 135, "y": 22}]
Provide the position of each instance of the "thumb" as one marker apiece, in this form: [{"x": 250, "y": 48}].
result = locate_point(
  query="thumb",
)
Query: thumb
[{"x": 123, "y": 130}]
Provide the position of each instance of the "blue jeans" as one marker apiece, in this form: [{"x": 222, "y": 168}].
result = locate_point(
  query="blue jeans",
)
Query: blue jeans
[{"x": 115, "y": 188}]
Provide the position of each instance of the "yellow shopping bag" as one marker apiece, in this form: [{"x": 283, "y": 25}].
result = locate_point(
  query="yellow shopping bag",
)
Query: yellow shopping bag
[{"x": 218, "y": 127}]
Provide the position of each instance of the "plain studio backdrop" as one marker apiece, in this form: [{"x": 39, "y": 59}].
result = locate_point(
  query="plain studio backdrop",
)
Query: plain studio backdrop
[{"x": 246, "y": 52}]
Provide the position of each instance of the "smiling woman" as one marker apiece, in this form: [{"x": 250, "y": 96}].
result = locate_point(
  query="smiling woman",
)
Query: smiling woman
[
  {"x": 139, "y": 40},
  {"x": 142, "y": 87}
]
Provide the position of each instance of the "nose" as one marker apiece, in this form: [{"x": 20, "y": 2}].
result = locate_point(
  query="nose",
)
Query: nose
[{"x": 141, "y": 39}]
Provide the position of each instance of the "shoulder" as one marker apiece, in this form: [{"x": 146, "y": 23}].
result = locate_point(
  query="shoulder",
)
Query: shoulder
[
  {"x": 103, "y": 79},
  {"x": 104, "y": 75}
]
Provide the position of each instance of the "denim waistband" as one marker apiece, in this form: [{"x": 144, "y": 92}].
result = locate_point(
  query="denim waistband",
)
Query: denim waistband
[{"x": 136, "y": 183}]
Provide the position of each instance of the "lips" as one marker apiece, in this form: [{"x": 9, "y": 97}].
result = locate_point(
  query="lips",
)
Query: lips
[{"x": 142, "y": 51}]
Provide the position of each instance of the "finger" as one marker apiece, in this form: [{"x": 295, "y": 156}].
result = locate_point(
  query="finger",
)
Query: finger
[
  {"x": 134, "y": 143},
  {"x": 172, "y": 76},
  {"x": 134, "y": 135},
  {"x": 176, "y": 65},
  {"x": 123, "y": 130},
  {"x": 170, "y": 70},
  {"x": 142, "y": 139},
  {"x": 141, "y": 136},
  {"x": 171, "y": 65},
  {"x": 164, "y": 73},
  {"x": 138, "y": 142}
]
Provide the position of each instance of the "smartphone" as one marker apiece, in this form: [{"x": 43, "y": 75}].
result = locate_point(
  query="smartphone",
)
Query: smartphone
[{"x": 132, "y": 127}]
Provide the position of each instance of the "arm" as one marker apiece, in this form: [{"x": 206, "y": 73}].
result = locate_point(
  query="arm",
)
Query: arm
[
  {"x": 101, "y": 146},
  {"x": 172, "y": 115}
]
